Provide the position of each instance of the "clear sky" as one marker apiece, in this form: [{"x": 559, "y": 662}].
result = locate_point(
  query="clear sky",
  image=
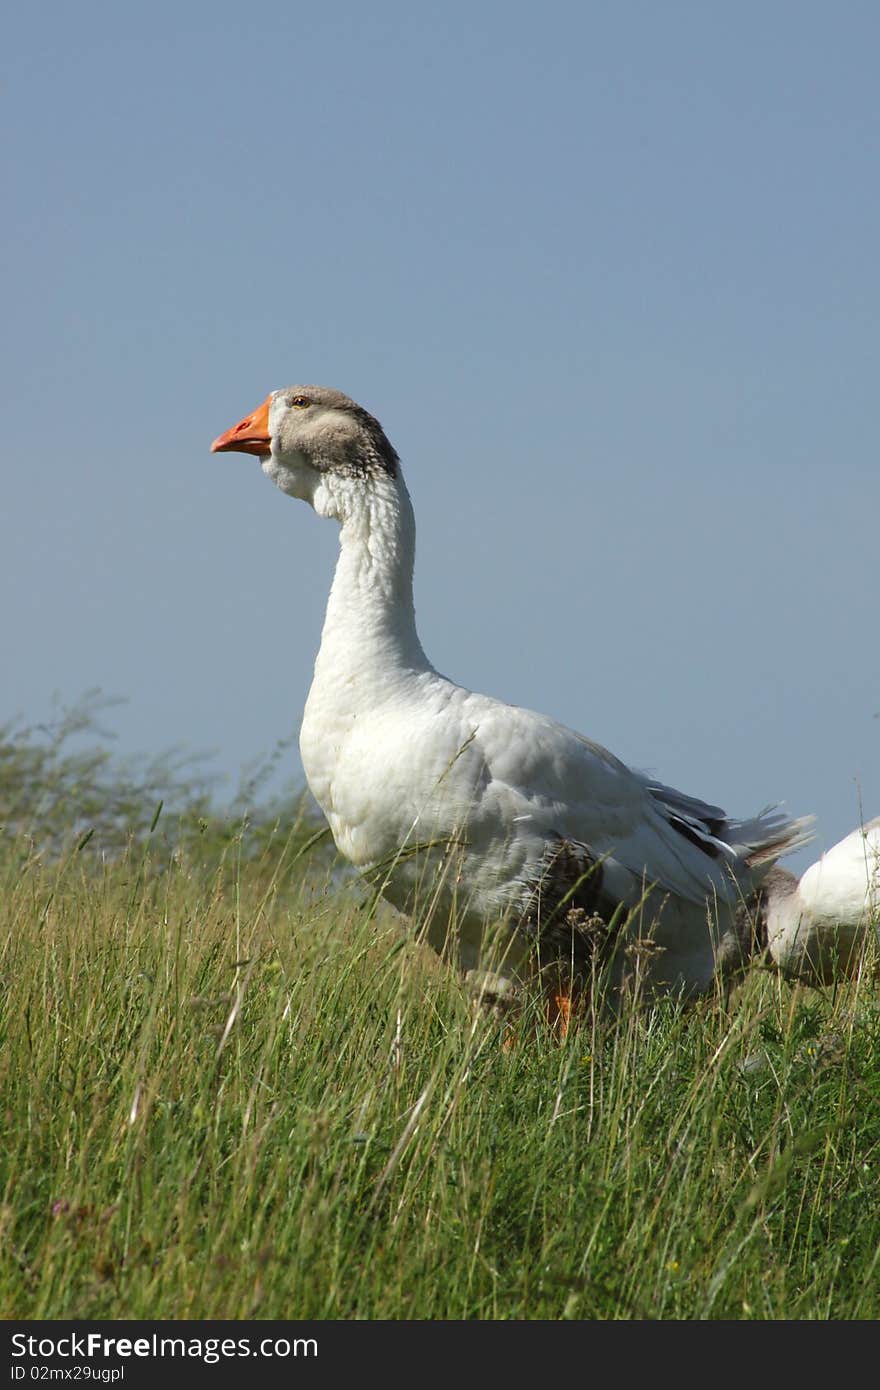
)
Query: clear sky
[{"x": 607, "y": 273}]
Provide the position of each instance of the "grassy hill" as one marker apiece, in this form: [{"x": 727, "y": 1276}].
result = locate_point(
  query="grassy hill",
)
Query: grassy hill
[{"x": 231, "y": 1086}]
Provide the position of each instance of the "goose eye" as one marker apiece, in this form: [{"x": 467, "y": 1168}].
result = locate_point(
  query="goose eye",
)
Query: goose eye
[{"x": 301, "y": 402}]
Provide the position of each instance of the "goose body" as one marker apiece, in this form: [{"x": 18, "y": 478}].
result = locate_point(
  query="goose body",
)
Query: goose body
[{"x": 492, "y": 813}]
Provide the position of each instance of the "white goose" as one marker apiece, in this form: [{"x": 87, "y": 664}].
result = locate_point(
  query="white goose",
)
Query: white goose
[
  {"x": 816, "y": 927},
  {"x": 504, "y": 815}
]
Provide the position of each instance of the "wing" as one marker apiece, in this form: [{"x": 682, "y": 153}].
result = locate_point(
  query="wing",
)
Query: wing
[{"x": 573, "y": 787}]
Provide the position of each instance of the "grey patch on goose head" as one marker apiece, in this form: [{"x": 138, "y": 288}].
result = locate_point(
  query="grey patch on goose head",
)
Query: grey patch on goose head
[
  {"x": 749, "y": 932},
  {"x": 346, "y": 438}
]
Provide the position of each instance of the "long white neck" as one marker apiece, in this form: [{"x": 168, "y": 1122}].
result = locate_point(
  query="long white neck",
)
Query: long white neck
[{"x": 370, "y": 624}]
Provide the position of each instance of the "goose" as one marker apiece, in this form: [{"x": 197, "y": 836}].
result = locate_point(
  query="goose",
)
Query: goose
[
  {"x": 815, "y": 926},
  {"x": 513, "y": 832}
]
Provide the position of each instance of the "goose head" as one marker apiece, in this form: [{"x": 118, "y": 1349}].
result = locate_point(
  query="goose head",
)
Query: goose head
[{"x": 316, "y": 444}]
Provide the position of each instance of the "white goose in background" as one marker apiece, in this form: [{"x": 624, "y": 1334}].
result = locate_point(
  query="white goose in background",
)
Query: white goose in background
[
  {"x": 501, "y": 818},
  {"x": 816, "y": 926}
]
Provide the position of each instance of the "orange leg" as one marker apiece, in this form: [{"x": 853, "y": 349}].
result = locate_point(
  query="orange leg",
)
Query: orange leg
[{"x": 561, "y": 1004}]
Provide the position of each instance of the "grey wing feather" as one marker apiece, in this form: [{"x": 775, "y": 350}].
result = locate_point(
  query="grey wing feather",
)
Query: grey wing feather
[{"x": 756, "y": 841}]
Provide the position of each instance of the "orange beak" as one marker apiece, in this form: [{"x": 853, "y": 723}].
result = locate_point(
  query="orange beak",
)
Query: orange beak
[{"x": 249, "y": 436}]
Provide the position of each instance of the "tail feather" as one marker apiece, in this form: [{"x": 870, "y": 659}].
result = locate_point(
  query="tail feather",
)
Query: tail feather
[
  {"x": 769, "y": 835},
  {"x": 754, "y": 842}
]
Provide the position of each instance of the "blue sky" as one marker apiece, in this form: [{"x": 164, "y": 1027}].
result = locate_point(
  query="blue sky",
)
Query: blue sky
[{"x": 607, "y": 273}]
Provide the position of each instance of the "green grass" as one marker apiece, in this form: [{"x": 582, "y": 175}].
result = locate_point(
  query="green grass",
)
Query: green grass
[{"x": 231, "y": 1088}]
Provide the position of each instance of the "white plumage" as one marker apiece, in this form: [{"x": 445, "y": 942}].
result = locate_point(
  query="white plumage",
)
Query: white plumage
[
  {"x": 494, "y": 814},
  {"x": 816, "y": 926}
]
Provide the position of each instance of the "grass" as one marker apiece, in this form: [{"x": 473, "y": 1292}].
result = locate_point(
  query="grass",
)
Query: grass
[{"x": 231, "y": 1087}]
